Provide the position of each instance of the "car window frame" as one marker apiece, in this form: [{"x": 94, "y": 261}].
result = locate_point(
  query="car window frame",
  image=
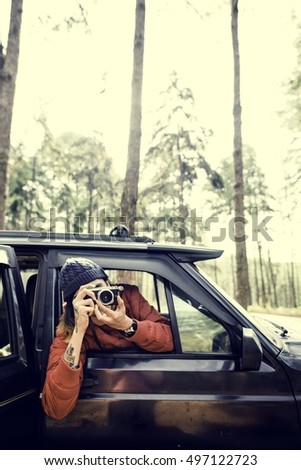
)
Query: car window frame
[{"x": 165, "y": 267}]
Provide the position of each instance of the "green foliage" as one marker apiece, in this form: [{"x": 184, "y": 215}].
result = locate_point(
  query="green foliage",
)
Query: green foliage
[
  {"x": 176, "y": 153},
  {"x": 70, "y": 177},
  {"x": 294, "y": 87},
  {"x": 256, "y": 195},
  {"x": 293, "y": 120},
  {"x": 221, "y": 271},
  {"x": 24, "y": 187}
]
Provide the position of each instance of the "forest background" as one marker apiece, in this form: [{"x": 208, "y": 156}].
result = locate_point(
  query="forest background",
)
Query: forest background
[{"x": 71, "y": 124}]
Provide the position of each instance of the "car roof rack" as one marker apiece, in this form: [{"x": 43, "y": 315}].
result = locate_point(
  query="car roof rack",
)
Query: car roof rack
[
  {"x": 118, "y": 239},
  {"x": 120, "y": 233}
]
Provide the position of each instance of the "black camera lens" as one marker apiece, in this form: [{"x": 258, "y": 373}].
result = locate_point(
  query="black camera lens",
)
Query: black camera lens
[{"x": 106, "y": 297}]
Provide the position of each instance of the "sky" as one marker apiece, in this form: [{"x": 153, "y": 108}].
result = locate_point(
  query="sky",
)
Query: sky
[{"x": 61, "y": 74}]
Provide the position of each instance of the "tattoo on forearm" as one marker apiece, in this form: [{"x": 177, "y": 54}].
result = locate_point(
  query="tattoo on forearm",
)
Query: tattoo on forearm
[
  {"x": 76, "y": 320},
  {"x": 69, "y": 355}
]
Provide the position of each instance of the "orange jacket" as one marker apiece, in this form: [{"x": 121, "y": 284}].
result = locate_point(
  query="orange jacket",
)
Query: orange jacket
[{"x": 62, "y": 384}]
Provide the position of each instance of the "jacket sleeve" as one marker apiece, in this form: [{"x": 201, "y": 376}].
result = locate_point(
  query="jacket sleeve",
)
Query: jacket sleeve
[
  {"x": 153, "y": 330},
  {"x": 62, "y": 384}
]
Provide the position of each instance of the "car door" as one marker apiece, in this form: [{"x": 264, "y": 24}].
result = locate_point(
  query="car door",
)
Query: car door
[
  {"x": 218, "y": 389},
  {"x": 18, "y": 377}
]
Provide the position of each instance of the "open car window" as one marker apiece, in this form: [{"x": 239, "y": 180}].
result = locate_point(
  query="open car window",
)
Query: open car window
[
  {"x": 150, "y": 286},
  {"x": 199, "y": 331}
]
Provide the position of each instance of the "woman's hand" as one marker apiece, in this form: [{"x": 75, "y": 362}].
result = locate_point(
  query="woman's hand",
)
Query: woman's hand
[
  {"x": 84, "y": 307},
  {"x": 114, "y": 318}
]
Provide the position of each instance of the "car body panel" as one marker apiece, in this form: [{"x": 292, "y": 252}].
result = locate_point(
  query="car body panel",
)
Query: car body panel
[
  {"x": 19, "y": 389},
  {"x": 246, "y": 397},
  {"x": 191, "y": 401}
]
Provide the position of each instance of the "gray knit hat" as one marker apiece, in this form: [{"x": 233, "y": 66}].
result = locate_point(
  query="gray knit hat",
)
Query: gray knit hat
[{"x": 76, "y": 272}]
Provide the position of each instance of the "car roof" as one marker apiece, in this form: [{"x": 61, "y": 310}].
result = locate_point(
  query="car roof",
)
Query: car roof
[{"x": 182, "y": 253}]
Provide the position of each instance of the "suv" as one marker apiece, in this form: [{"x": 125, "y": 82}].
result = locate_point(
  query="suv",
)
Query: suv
[{"x": 231, "y": 382}]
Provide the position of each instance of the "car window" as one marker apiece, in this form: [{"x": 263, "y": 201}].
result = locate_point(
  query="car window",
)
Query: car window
[
  {"x": 29, "y": 267},
  {"x": 5, "y": 343},
  {"x": 149, "y": 285},
  {"x": 199, "y": 332}
]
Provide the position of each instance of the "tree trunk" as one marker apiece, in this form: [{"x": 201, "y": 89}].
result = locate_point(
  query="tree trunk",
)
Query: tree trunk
[
  {"x": 91, "y": 228},
  {"x": 263, "y": 290},
  {"x": 215, "y": 271},
  {"x": 233, "y": 271},
  {"x": 256, "y": 283},
  {"x": 183, "y": 211},
  {"x": 289, "y": 291},
  {"x": 8, "y": 75},
  {"x": 292, "y": 286},
  {"x": 130, "y": 190},
  {"x": 274, "y": 283},
  {"x": 268, "y": 284},
  {"x": 242, "y": 274}
]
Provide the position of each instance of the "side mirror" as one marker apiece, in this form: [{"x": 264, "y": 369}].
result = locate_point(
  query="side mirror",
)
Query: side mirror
[{"x": 251, "y": 350}]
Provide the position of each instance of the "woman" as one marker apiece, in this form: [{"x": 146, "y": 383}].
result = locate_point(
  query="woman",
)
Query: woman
[{"x": 88, "y": 324}]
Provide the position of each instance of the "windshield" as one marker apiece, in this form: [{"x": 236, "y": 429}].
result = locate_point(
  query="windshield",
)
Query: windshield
[{"x": 263, "y": 327}]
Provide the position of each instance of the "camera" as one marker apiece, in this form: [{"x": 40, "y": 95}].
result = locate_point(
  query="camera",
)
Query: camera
[{"x": 108, "y": 295}]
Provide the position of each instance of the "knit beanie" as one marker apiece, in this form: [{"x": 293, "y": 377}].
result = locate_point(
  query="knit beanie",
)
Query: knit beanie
[{"x": 77, "y": 272}]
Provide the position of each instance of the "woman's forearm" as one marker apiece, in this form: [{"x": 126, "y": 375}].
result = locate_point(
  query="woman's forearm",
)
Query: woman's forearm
[{"x": 72, "y": 353}]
